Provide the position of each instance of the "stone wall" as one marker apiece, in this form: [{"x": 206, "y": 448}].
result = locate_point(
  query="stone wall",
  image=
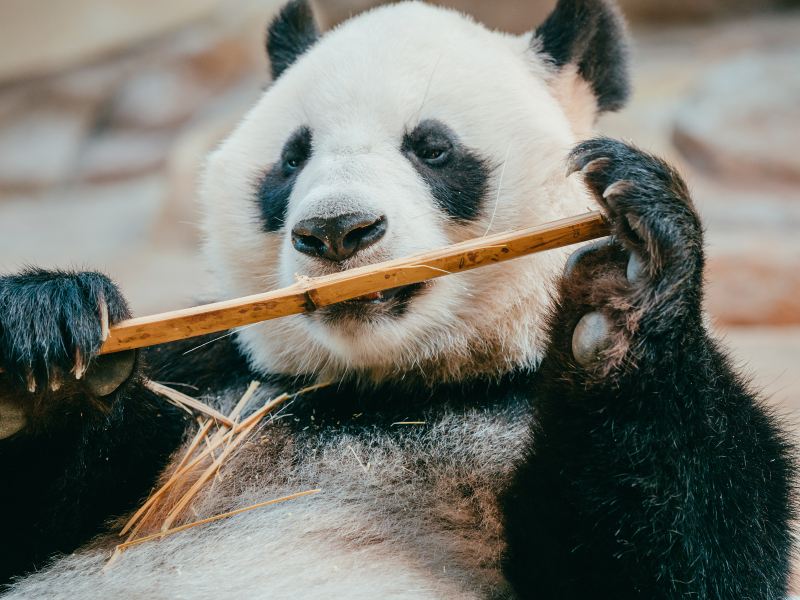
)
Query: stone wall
[
  {"x": 518, "y": 16},
  {"x": 93, "y": 91},
  {"x": 106, "y": 112}
]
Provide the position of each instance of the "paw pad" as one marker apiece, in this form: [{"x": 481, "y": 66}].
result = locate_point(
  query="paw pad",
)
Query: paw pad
[
  {"x": 582, "y": 252},
  {"x": 12, "y": 419},
  {"x": 635, "y": 269},
  {"x": 590, "y": 338},
  {"x": 110, "y": 371}
]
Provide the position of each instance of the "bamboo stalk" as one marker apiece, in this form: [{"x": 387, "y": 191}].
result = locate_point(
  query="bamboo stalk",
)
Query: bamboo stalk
[{"x": 323, "y": 291}]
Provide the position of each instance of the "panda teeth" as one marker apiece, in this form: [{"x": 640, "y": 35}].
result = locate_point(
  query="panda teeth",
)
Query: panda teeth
[
  {"x": 373, "y": 297},
  {"x": 384, "y": 296}
]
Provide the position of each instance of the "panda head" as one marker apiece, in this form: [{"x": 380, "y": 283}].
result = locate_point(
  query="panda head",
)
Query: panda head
[{"x": 405, "y": 129}]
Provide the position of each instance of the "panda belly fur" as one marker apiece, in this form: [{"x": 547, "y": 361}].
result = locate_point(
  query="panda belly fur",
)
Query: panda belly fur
[{"x": 405, "y": 511}]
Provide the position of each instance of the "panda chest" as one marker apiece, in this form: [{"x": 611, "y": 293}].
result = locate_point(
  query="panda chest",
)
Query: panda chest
[{"x": 423, "y": 493}]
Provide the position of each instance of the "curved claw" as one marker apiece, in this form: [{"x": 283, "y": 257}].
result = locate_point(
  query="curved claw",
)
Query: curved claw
[
  {"x": 80, "y": 367},
  {"x": 55, "y": 381},
  {"x": 103, "y": 309},
  {"x": 619, "y": 187},
  {"x": 31, "y": 382},
  {"x": 577, "y": 163}
]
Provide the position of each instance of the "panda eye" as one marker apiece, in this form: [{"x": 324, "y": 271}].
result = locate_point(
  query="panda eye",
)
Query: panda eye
[
  {"x": 430, "y": 143},
  {"x": 296, "y": 151},
  {"x": 433, "y": 153},
  {"x": 433, "y": 156},
  {"x": 292, "y": 164}
]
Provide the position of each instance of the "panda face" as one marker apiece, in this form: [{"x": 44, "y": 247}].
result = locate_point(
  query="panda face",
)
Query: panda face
[{"x": 405, "y": 129}]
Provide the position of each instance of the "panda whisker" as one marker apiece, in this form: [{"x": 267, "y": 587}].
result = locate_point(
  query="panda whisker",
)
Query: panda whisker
[
  {"x": 222, "y": 337},
  {"x": 499, "y": 189},
  {"x": 428, "y": 87},
  {"x": 203, "y": 345},
  {"x": 319, "y": 363},
  {"x": 427, "y": 213}
]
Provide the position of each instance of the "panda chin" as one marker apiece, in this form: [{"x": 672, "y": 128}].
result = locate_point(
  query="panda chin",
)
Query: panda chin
[{"x": 393, "y": 302}]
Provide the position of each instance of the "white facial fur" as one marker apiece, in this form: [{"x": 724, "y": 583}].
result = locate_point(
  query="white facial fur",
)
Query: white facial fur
[{"x": 359, "y": 89}]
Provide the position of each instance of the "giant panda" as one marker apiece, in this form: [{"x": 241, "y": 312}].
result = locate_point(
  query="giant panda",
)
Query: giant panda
[{"x": 577, "y": 431}]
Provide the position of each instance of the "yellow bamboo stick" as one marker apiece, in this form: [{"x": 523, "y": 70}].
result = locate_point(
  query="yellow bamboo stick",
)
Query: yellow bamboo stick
[{"x": 323, "y": 291}]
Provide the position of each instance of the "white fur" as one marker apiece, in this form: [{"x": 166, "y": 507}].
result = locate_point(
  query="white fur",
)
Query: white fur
[
  {"x": 380, "y": 527},
  {"x": 359, "y": 90}
]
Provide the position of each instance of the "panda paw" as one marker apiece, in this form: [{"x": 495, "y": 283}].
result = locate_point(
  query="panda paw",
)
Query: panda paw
[
  {"x": 52, "y": 324},
  {"x": 645, "y": 281}
]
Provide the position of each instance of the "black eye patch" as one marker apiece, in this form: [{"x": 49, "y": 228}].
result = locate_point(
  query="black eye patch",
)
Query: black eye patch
[
  {"x": 275, "y": 187},
  {"x": 457, "y": 176}
]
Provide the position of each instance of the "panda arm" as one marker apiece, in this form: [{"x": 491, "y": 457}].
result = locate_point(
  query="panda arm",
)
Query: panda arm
[
  {"x": 652, "y": 471},
  {"x": 66, "y": 475},
  {"x": 77, "y": 451}
]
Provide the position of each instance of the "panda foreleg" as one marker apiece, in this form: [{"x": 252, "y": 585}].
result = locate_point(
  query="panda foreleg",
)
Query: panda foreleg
[
  {"x": 652, "y": 471},
  {"x": 81, "y": 439}
]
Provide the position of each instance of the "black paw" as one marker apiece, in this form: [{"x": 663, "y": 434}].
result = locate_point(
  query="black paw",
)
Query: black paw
[
  {"x": 52, "y": 324},
  {"x": 647, "y": 204},
  {"x": 644, "y": 281}
]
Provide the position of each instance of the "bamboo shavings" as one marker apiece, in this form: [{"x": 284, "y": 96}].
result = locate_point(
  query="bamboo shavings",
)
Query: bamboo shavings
[
  {"x": 217, "y": 439},
  {"x": 120, "y": 548},
  {"x": 185, "y": 402}
]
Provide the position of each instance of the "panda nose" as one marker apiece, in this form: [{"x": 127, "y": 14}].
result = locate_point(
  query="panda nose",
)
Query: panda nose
[{"x": 338, "y": 238}]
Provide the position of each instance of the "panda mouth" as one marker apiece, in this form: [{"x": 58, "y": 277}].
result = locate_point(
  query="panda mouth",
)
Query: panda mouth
[
  {"x": 392, "y": 302},
  {"x": 399, "y": 293}
]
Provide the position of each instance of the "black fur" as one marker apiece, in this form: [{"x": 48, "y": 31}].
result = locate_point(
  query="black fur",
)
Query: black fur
[
  {"x": 202, "y": 367},
  {"x": 276, "y": 185},
  {"x": 347, "y": 407},
  {"x": 81, "y": 458},
  {"x": 590, "y": 34},
  {"x": 654, "y": 472},
  {"x": 47, "y": 319},
  {"x": 457, "y": 176},
  {"x": 290, "y": 34},
  {"x": 63, "y": 480}
]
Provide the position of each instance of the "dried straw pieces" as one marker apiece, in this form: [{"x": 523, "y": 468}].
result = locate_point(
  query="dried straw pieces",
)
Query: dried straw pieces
[{"x": 216, "y": 441}]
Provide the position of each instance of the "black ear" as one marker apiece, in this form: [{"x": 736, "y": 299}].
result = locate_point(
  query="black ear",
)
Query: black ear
[
  {"x": 591, "y": 35},
  {"x": 290, "y": 34}
]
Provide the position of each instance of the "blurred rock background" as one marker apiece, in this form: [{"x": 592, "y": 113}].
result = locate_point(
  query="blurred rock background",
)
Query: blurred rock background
[{"x": 107, "y": 108}]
